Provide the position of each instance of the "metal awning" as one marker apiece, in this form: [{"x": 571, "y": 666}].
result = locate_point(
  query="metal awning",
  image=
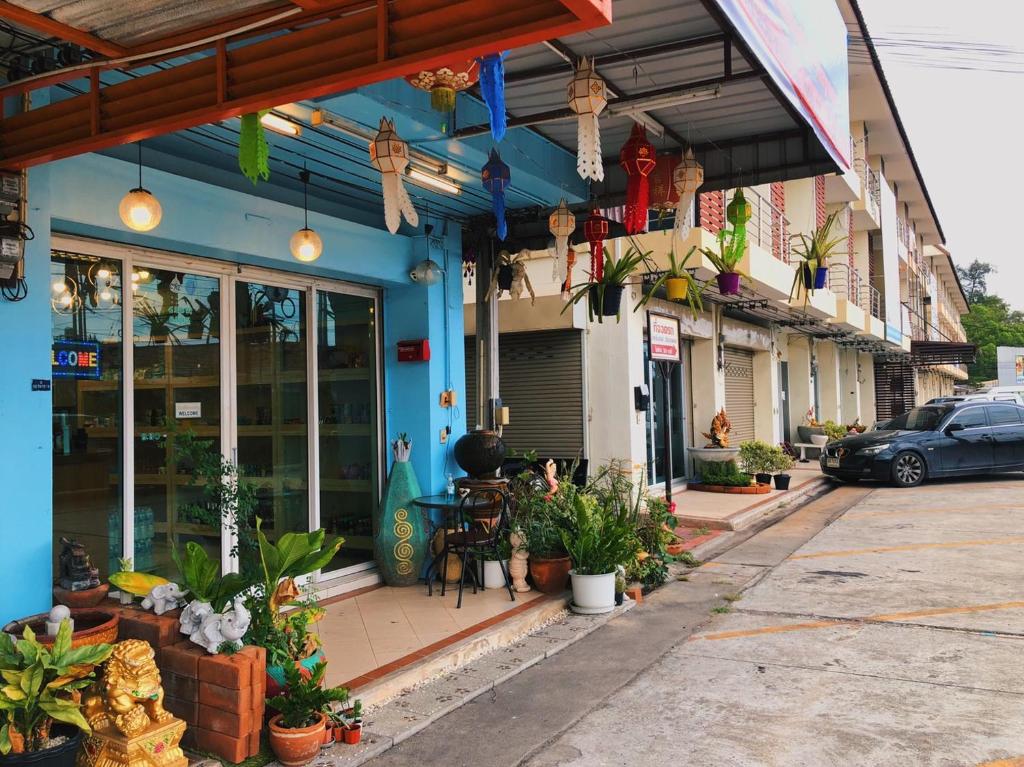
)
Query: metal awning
[{"x": 928, "y": 353}]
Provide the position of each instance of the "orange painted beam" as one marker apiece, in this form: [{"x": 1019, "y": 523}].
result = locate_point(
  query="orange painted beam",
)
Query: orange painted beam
[
  {"x": 52, "y": 28},
  {"x": 319, "y": 60}
]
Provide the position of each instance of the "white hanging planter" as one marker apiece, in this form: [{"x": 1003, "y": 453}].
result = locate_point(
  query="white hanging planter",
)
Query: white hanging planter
[{"x": 592, "y": 594}]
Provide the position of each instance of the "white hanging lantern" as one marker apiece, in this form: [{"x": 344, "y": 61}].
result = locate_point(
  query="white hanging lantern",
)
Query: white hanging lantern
[
  {"x": 588, "y": 96},
  {"x": 561, "y": 223},
  {"x": 390, "y": 155},
  {"x": 687, "y": 179}
]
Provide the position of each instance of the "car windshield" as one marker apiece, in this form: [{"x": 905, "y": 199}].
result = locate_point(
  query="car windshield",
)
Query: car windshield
[{"x": 919, "y": 419}]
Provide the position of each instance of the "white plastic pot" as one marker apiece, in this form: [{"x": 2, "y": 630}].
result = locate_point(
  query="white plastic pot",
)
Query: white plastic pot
[
  {"x": 592, "y": 594},
  {"x": 493, "y": 579},
  {"x": 819, "y": 440}
]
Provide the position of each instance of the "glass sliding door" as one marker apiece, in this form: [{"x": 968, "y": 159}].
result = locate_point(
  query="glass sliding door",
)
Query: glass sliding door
[
  {"x": 177, "y": 382},
  {"x": 347, "y": 386},
  {"x": 657, "y": 421},
  {"x": 272, "y": 402},
  {"x": 87, "y": 388}
]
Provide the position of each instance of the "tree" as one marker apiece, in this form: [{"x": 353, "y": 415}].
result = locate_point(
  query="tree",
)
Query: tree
[
  {"x": 990, "y": 324},
  {"x": 974, "y": 278}
]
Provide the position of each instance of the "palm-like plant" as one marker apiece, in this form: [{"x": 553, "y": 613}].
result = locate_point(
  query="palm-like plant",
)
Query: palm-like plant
[
  {"x": 677, "y": 271},
  {"x": 814, "y": 251},
  {"x": 614, "y": 277},
  {"x": 732, "y": 245}
]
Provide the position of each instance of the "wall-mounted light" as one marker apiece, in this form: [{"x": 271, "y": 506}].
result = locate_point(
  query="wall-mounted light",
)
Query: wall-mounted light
[
  {"x": 425, "y": 178},
  {"x": 426, "y": 273},
  {"x": 139, "y": 209},
  {"x": 306, "y": 245},
  {"x": 279, "y": 124}
]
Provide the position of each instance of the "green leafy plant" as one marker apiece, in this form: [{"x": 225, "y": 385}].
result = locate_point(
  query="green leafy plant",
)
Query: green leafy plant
[
  {"x": 834, "y": 430},
  {"x": 615, "y": 275},
  {"x": 200, "y": 576},
  {"x": 603, "y": 536},
  {"x": 677, "y": 271},
  {"x": 724, "y": 473},
  {"x": 729, "y": 254},
  {"x": 655, "y": 533},
  {"x": 813, "y": 252},
  {"x": 756, "y": 456},
  {"x": 42, "y": 685},
  {"x": 781, "y": 460},
  {"x": 303, "y": 698}
]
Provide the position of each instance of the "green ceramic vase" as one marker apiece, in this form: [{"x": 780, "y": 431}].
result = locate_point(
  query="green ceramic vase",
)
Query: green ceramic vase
[{"x": 400, "y": 543}]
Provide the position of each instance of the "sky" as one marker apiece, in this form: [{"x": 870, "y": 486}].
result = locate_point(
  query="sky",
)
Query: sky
[{"x": 965, "y": 120}]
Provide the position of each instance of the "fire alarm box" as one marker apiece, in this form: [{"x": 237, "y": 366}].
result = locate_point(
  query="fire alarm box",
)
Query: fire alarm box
[{"x": 414, "y": 351}]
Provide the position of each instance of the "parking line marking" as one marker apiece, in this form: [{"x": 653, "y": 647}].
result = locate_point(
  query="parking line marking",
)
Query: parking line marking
[
  {"x": 1013, "y": 540},
  {"x": 956, "y": 510},
  {"x": 1016, "y": 761},
  {"x": 880, "y": 618}
]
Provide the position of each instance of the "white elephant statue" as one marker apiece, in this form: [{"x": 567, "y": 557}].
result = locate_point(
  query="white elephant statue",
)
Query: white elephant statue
[
  {"x": 166, "y": 596},
  {"x": 193, "y": 615},
  {"x": 219, "y": 629}
]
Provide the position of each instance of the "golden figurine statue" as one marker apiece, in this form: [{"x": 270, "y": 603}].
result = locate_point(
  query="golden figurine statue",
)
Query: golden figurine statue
[
  {"x": 720, "y": 428},
  {"x": 130, "y": 726}
]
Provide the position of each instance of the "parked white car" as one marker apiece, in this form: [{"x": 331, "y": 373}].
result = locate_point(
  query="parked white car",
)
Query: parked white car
[{"x": 986, "y": 396}]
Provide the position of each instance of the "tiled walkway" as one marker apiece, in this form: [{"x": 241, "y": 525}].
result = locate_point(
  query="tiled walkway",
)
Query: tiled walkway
[
  {"x": 722, "y": 511},
  {"x": 380, "y": 630}
]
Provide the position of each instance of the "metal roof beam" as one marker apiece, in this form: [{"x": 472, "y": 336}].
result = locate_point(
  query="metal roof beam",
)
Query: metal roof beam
[{"x": 53, "y": 28}]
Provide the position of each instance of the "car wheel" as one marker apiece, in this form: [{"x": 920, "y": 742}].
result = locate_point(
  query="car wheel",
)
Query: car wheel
[{"x": 908, "y": 469}]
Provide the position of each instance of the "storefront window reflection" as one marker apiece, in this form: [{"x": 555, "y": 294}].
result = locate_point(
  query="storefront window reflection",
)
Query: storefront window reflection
[{"x": 656, "y": 422}]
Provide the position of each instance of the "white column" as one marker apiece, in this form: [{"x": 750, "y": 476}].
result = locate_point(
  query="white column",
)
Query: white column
[
  {"x": 827, "y": 354},
  {"x": 766, "y": 397},
  {"x": 850, "y": 386},
  {"x": 868, "y": 411},
  {"x": 801, "y": 395},
  {"x": 707, "y": 384}
]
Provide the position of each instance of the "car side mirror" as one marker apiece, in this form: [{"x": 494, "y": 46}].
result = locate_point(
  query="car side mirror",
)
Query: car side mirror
[{"x": 954, "y": 427}]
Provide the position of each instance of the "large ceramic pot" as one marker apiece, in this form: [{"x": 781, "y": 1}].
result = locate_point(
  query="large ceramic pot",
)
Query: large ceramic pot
[
  {"x": 592, "y": 594},
  {"x": 92, "y": 626},
  {"x": 275, "y": 674},
  {"x": 58, "y": 756},
  {"x": 400, "y": 532},
  {"x": 480, "y": 453},
  {"x": 550, "y": 576},
  {"x": 295, "y": 747},
  {"x": 805, "y": 432}
]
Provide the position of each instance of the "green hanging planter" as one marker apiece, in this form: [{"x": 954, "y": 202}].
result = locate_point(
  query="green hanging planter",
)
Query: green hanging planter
[
  {"x": 253, "y": 151},
  {"x": 400, "y": 531}
]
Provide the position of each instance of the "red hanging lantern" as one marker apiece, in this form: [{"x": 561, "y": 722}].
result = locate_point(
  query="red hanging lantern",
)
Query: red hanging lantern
[
  {"x": 637, "y": 158},
  {"x": 444, "y": 81},
  {"x": 663, "y": 191},
  {"x": 595, "y": 229}
]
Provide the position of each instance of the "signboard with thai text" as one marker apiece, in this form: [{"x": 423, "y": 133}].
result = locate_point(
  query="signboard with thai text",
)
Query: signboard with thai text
[{"x": 663, "y": 337}]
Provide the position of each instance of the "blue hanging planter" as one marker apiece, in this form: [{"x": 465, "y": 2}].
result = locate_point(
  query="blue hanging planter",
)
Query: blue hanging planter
[
  {"x": 492, "y": 87},
  {"x": 496, "y": 176}
]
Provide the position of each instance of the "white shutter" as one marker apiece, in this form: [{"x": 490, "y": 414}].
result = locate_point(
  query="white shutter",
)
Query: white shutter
[{"x": 739, "y": 394}]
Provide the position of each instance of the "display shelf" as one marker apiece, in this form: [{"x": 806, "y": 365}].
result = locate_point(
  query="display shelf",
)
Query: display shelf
[
  {"x": 270, "y": 430},
  {"x": 347, "y": 485},
  {"x": 345, "y": 430}
]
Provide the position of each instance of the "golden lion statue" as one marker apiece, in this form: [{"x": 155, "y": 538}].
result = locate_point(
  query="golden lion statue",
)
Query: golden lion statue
[
  {"x": 720, "y": 428},
  {"x": 129, "y": 696}
]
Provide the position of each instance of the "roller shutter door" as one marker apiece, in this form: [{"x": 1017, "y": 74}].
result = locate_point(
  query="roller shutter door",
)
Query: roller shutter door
[
  {"x": 541, "y": 382},
  {"x": 739, "y": 394}
]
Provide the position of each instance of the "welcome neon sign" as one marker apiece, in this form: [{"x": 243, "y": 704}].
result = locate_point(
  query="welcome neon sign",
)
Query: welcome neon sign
[{"x": 75, "y": 359}]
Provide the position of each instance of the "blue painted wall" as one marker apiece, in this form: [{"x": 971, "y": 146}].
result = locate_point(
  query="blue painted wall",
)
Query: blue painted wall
[{"x": 80, "y": 196}]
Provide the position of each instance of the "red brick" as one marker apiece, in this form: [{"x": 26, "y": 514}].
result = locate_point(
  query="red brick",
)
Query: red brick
[
  {"x": 224, "y": 746},
  {"x": 181, "y": 687},
  {"x": 635, "y": 593},
  {"x": 188, "y": 740},
  {"x": 225, "y": 698},
  {"x": 183, "y": 709},
  {"x": 170, "y": 630},
  {"x": 236, "y": 725},
  {"x": 140, "y": 625},
  {"x": 232, "y": 671},
  {"x": 254, "y": 742},
  {"x": 182, "y": 659}
]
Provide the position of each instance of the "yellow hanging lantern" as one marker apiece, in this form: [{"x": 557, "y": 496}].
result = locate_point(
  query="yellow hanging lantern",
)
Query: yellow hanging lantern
[
  {"x": 687, "y": 178},
  {"x": 561, "y": 223}
]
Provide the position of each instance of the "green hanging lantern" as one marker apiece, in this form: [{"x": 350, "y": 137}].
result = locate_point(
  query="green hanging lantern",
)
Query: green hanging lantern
[
  {"x": 739, "y": 211},
  {"x": 253, "y": 151}
]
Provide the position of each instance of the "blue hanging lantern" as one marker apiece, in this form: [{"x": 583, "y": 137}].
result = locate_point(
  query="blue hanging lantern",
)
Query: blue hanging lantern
[
  {"x": 496, "y": 177},
  {"x": 492, "y": 87}
]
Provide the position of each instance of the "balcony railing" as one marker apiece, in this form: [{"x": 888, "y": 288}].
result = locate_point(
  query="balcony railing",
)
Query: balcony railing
[
  {"x": 768, "y": 226},
  {"x": 873, "y": 191},
  {"x": 871, "y": 300},
  {"x": 845, "y": 281}
]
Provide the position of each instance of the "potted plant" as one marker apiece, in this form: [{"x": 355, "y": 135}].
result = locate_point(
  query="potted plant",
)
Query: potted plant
[
  {"x": 602, "y": 537},
  {"x": 680, "y": 284},
  {"x": 809, "y": 427},
  {"x": 605, "y": 294},
  {"x": 354, "y": 727},
  {"x": 756, "y": 458},
  {"x": 540, "y": 519},
  {"x": 833, "y": 430},
  {"x": 496, "y": 565},
  {"x": 732, "y": 246},
  {"x": 297, "y": 730},
  {"x": 41, "y": 721},
  {"x": 814, "y": 251},
  {"x": 781, "y": 462}
]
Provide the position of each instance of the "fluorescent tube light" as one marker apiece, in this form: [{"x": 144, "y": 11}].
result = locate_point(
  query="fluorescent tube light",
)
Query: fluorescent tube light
[
  {"x": 424, "y": 178},
  {"x": 280, "y": 125},
  {"x": 323, "y": 117}
]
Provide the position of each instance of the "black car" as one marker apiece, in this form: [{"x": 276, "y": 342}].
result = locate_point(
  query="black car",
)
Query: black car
[{"x": 942, "y": 440}]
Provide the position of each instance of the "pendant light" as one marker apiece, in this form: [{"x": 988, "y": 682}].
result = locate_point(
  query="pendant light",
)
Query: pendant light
[
  {"x": 139, "y": 209},
  {"x": 306, "y": 244}
]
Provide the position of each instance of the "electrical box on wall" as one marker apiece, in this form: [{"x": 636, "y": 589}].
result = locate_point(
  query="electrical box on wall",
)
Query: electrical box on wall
[{"x": 414, "y": 351}]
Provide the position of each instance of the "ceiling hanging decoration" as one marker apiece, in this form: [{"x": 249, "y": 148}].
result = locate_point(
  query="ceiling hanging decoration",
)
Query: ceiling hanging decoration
[
  {"x": 687, "y": 178},
  {"x": 663, "y": 191},
  {"x": 588, "y": 96},
  {"x": 443, "y": 82},
  {"x": 139, "y": 209},
  {"x": 496, "y": 176},
  {"x": 561, "y": 223},
  {"x": 253, "y": 152},
  {"x": 390, "y": 155},
  {"x": 305, "y": 245},
  {"x": 595, "y": 229},
  {"x": 492, "y": 88},
  {"x": 637, "y": 158}
]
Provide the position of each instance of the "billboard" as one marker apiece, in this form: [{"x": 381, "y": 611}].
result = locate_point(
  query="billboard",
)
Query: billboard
[
  {"x": 1010, "y": 365},
  {"x": 803, "y": 46}
]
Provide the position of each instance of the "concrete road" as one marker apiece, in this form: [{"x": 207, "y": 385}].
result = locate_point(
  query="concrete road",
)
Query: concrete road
[{"x": 875, "y": 626}]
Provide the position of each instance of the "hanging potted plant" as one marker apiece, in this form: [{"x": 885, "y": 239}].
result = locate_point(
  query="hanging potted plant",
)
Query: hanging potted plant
[
  {"x": 605, "y": 289},
  {"x": 41, "y": 721},
  {"x": 680, "y": 284},
  {"x": 813, "y": 253},
  {"x": 732, "y": 245},
  {"x": 297, "y": 730}
]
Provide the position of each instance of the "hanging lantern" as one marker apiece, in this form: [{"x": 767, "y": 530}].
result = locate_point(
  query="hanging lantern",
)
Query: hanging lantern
[
  {"x": 492, "y": 88},
  {"x": 444, "y": 81},
  {"x": 739, "y": 211},
  {"x": 496, "y": 176},
  {"x": 588, "y": 96},
  {"x": 663, "y": 191},
  {"x": 637, "y": 158},
  {"x": 389, "y": 154},
  {"x": 139, "y": 209},
  {"x": 686, "y": 180},
  {"x": 253, "y": 151},
  {"x": 570, "y": 262},
  {"x": 561, "y": 223},
  {"x": 469, "y": 263},
  {"x": 595, "y": 229}
]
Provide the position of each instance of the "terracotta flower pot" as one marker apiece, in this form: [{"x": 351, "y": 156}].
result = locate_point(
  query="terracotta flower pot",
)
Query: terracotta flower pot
[
  {"x": 550, "y": 576},
  {"x": 338, "y": 731},
  {"x": 92, "y": 626},
  {"x": 328, "y": 738},
  {"x": 81, "y": 599},
  {"x": 675, "y": 549},
  {"x": 298, "y": 746},
  {"x": 353, "y": 734}
]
